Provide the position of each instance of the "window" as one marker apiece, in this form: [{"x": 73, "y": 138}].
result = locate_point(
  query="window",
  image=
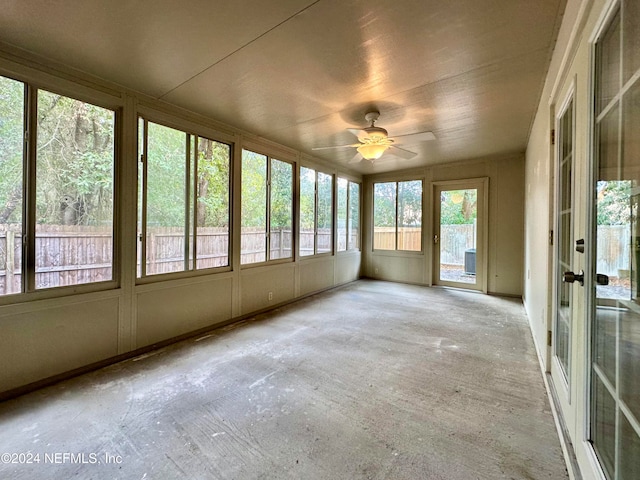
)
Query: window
[
  {"x": 267, "y": 208},
  {"x": 397, "y": 216},
  {"x": 316, "y": 212},
  {"x": 71, "y": 186},
  {"x": 183, "y": 211},
  {"x": 348, "y": 205}
]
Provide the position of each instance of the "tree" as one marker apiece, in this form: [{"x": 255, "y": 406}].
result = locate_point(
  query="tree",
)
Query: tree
[
  {"x": 458, "y": 207},
  {"x": 613, "y": 205},
  {"x": 74, "y": 162},
  {"x": 11, "y": 150}
]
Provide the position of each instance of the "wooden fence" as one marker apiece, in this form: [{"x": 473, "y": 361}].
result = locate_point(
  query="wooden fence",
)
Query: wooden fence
[
  {"x": 71, "y": 255},
  {"x": 614, "y": 250},
  {"x": 454, "y": 241}
]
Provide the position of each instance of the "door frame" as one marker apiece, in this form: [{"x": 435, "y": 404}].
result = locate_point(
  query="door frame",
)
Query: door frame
[
  {"x": 482, "y": 232},
  {"x": 559, "y": 377}
]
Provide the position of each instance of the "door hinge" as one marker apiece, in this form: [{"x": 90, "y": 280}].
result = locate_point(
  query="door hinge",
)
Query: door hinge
[
  {"x": 553, "y": 137},
  {"x": 550, "y": 237},
  {"x": 142, "y": 158},
  {"x": 549, "y": 337}
]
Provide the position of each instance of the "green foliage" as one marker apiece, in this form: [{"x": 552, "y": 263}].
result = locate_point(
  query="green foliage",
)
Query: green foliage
[
  {"x": 410, "y": 203},
  {"x": 325, "y": 199},
  {"x": 74, "y": 162},
  {"x": 407, "y": 195},
  {"x": 213, "y": 183},
  {"x": 166, "y": 176},
  {"x": 281, "y": 195},
  {"x": 11, "y": 149},
  {"x": 458, "y": 207},
  {"x": 613, "y": 202},
  {"x": 384, "y": 204},
  {"x": 167, "y": 203},
  {"x": 307, "y": 199},
  {"x": 254, "y": 190}
]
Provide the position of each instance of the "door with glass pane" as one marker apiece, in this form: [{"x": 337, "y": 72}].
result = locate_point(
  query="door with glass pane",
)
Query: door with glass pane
[
  {"x": 615, "y": 291},
  {"x": 564, "y": 251},
  {"x": 459, "y": 229}
]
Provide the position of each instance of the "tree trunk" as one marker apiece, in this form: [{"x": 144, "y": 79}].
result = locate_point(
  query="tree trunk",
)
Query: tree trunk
[{"x": 14, "y": 201}]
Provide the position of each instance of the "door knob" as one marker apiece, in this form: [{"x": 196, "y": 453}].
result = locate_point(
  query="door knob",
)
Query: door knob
[{"x": 570, "y": 277}]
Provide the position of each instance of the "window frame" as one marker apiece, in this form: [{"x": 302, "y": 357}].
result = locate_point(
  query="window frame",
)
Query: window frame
[
  {"x": 332, "y": 250},
  {"x": 397, "y": 219},
  {"x": 268, "y": 183},
  {"x": 33, "y": 81},
  {"x": 192, "y": 132},
  {"x": 348, "y": 242}
]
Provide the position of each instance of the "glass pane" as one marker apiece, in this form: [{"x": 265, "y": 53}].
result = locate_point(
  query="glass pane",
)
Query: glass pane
[
  {"x": 74, "y": 192},
  {"x": 604, "y": 427},
  {"x": 604, "y": 341},
  {"x": 631, "y": 38},
  {"x": 166, "y": 199},
  {"x": 410, "y": 215},
  {"x": 307, "y": 211},
  {"x": 212, "y": 204},
  {"x": 629, "y": 451},
  {"x": 384, "y": 216},
  {"x": 630, "y": 361},
  {"x": 281, "y": 214},
  {"x": 343, "y": 187},
  {"x": 354, "y": 216},
  {"x": 564, "y": 227},
  {"x": 608, "y": 145},
  {"x": 630, "y": 136},
  {"x": 562, "y": 335},
  {"x": 458, "y": 233},
  {"x": 325, "y": 213},
  {"x": 254, "y": 208},
  {"x": 11, "y": 181},
  {"x": 609, "y": 65}
]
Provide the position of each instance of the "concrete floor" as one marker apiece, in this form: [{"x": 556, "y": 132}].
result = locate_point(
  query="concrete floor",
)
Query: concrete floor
[{"x": 374, "y": 380}]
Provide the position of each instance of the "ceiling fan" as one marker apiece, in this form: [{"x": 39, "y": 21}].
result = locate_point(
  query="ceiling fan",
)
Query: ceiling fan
[{"x": 374, "y": 141}]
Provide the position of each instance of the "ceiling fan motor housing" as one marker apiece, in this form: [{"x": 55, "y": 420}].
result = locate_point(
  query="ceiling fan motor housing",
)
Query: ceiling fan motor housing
[{"x": 376, "y": 132}]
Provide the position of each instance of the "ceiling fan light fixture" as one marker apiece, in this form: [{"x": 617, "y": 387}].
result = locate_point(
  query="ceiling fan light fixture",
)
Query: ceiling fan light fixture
[{"x": 372, "y": 151}]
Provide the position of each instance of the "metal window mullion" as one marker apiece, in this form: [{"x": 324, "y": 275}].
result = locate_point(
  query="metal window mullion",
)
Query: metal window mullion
[
  {"x": 397, "y": 195},
  {"x": 195, "y": 203},
  {"x": 29, "y": 241},
  {"x": 143, "y": 220},
  {"x": 29, "y": 204},
  {"x": 267, "y": 226},
  {"x": 346, "y": 225},
  {"x": 187, "y": 199},
  {"x": 315, "y": 214}
]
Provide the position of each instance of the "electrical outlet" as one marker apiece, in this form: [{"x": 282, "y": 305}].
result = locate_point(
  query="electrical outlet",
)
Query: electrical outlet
[
  {"x": 270, "y": 296},
  {"x": 376, "y": 271}
]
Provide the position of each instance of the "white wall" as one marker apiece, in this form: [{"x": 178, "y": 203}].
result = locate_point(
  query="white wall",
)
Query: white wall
[{"x": 505, "y": 224}]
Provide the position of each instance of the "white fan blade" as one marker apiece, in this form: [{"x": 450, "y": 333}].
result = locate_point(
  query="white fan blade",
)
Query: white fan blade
[
  {"x": 337, "y": 146},
  {"x": 356, "y": 158},
  {"x": 413, "y": 138},
  {"x": 361, "y": 134},
  {"x": 401, "y": 152}
]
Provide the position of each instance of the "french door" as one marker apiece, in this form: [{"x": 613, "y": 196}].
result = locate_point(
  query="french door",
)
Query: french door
[
  {"x": 614, "y": 417},
  {"x": 459, "y": 234}
]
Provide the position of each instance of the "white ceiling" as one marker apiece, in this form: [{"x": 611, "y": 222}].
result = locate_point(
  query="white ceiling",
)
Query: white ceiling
[{"x": 300, "y": 72}]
